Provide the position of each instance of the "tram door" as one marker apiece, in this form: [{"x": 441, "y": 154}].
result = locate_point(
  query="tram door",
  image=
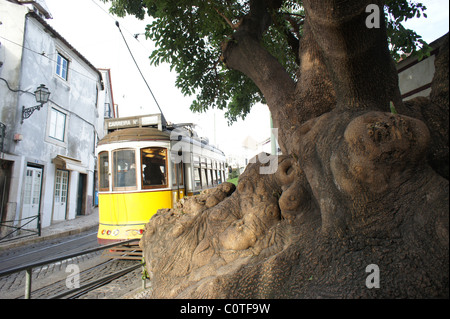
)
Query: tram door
[
  {"x": 60, "y": 196},
  {"x": 32, "y": 197}
]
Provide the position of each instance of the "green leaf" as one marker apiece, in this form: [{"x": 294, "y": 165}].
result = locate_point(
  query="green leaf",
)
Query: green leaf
[{"x": 393, "y": 110}]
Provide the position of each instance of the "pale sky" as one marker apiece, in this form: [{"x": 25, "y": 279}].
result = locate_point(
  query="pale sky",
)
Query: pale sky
[{"x": 93, "y": 32}]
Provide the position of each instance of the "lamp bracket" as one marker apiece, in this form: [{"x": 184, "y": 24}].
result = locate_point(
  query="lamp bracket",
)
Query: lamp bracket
[{"x": 27, "y": 111}]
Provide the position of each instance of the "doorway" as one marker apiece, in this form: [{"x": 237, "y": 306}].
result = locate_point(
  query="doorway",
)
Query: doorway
[
  {"x": 5, "y": 178},
  {"x": 81, "y": 195},
  {"x": 32, "y": 198},
  {"x": 60, "y": 195}
]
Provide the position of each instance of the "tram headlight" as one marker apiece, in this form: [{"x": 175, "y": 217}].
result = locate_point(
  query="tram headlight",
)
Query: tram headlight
[
  {"x": 135, "y": 232},
  {"x": 115, "y": 232}
]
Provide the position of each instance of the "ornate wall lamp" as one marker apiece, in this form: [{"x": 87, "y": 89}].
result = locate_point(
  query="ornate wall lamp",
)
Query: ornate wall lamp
[{"x": 42, "y": 94}]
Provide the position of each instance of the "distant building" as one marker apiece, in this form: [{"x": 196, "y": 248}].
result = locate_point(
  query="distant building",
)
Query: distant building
[
  {"x": 110, "y": 110},
  {"x": 415, "y": 76},
  {"x": 47, "y": 161}
]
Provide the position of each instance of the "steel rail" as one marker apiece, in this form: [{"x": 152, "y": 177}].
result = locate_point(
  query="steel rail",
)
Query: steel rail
[{"x": 96, "y": 283}]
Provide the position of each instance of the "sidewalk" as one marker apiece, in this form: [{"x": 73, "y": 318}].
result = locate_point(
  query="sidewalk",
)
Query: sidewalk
[{"x": 60, "y": 229}]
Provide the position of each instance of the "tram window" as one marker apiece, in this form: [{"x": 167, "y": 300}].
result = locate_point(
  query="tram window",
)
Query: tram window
[
  {"x": 124, "y": 170},
  {"x": 177, "y": 176},
  {"x": 103, "y": 165},
  {"x": 197, "y": 180},
  {"x": 214, "y": 171},
  {"x": 173, "y": 169},
  {"x": 196, "y": 161},
  {"x": 154, "y": 164},
  {"x": 211, "y": 180},
  {"x": 208, "y": 176},
  {"x": 197, "y": 173},
  {"x": 204, "y": 179},
  {"x": 180, "y": 174}
]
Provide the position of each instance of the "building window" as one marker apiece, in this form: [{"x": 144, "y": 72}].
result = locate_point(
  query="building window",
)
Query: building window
[
  {"x": 108, "y": 111},
  {"x": 57, "y": 125},
  {"x": 62, "y": 66}
]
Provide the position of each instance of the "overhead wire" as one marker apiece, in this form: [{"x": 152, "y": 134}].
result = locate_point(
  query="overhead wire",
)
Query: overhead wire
[
  {"x": 45, "y": 55},
  {"x": 142, "y": 75},
  {"x": 50, "y": 100},
  {"x": 114, "y": 19},
  {"x": 14, "y": 90},
  {"x": 132, "y": 56}
]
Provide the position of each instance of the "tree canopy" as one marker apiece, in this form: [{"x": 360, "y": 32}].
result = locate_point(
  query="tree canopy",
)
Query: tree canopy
[{"x": 190, "y": 34}]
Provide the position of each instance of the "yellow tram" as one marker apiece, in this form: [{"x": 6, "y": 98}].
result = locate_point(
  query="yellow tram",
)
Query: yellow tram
[{"x": 144, "y": 166}]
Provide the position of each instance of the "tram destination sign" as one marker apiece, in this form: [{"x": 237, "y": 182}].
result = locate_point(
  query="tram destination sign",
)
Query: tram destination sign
[{"x": 134, "y": 121}]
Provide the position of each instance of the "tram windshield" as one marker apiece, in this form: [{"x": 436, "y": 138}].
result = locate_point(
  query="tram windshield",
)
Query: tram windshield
[
  {"x": 154, "y": 167},
  {"x": 124, "y": 169}
]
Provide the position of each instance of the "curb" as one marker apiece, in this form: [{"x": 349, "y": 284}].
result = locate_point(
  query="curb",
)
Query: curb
[{"x": 34, "y": 240}]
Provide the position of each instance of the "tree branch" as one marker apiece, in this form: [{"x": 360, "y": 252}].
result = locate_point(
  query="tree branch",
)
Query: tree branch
[
  {"x": 244, "y": 52},
  {"x": 293, "y": 36},
  {"x": 231, "y": 24}
]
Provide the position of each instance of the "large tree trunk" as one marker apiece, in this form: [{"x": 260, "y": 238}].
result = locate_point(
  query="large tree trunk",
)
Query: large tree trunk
[{"x": 353, "y": 191}]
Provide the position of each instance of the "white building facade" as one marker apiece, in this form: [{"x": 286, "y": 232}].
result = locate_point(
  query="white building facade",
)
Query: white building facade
[{"x": 47, "y": 161}]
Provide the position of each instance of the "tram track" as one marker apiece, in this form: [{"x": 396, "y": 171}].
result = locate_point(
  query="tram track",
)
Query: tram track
[
  {"x": 97, "y": 274},
  {"x": 94, "y": 269},
  {"x": 54, "y": 248},
  {"x": 91, "y": 275},
  {"x": 60, "y": 286},
  {"x": 100, "y": 282}
]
